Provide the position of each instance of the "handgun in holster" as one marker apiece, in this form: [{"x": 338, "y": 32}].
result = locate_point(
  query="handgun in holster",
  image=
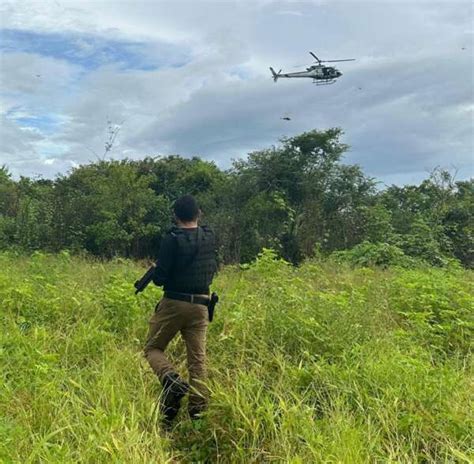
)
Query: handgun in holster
[{"x": 212, "y": 305}]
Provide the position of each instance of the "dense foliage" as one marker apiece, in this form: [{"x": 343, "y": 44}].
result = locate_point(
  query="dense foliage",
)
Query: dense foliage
[
  {"x": 317, "y": 363},
  {"x": 297, "y": 198}
]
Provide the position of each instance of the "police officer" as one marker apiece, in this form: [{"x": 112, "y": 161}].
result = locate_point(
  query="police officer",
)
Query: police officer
[{"x": 185, "y": 268}]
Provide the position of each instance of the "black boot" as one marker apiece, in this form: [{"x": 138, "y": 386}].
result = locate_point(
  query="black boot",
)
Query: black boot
[
  {"x": 195, "y": 412},
  {"x": 174, "y": 389}
]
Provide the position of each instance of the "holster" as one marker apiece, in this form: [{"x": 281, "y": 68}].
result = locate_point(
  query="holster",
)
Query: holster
[{"x": 212, "y": 305}]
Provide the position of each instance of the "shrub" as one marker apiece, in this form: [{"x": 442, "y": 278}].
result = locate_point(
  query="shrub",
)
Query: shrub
[{"x": 373, "y": 254}]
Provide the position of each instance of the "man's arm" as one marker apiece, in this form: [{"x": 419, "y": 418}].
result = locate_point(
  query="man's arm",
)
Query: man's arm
[
  {"x": 165, "y": 260},
  {"x": 216, "y": 253}
]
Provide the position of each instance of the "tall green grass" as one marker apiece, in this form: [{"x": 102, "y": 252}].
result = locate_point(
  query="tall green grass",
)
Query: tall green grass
[{"x": 320, "y": 363}]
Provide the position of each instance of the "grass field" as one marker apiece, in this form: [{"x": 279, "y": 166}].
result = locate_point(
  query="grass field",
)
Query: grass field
[{"x": 316, "y": 364}]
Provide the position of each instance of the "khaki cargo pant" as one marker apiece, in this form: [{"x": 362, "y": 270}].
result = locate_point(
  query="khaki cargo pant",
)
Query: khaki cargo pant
[{"x": 171, "y": 317}]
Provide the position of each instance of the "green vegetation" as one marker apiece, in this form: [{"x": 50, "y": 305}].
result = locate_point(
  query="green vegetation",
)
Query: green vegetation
[
  {"x": 297, "y": 198},
  {"x": 360, "y": 354},
  {"x": 316, "y": 363}
]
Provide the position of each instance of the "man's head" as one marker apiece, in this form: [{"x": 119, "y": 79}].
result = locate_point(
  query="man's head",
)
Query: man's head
[{"x": 186, "y": 209}]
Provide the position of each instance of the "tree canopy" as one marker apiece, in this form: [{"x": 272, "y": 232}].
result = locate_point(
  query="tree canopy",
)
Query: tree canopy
[{"x": 296, "y": 197}]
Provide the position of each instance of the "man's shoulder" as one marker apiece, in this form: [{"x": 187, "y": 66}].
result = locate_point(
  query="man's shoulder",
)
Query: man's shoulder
[
  {"x": 170, "y": 236},
  {"x": 207, "y": 229},
  {"x": 173, "y": 231},
  {"x": 177, "y": 235}
]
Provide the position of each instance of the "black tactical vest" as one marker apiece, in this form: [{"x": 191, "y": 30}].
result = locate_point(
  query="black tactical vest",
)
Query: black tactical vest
[{"x": 195, "y": 263}]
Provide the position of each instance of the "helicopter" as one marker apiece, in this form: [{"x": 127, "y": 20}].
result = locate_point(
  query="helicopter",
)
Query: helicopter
[{"x": 321, "y": 74}]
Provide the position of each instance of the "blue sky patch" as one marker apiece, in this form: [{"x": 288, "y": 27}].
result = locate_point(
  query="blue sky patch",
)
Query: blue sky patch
[
  {"x": 89, "y": 51},
  {"x": 45, "y": 123}
]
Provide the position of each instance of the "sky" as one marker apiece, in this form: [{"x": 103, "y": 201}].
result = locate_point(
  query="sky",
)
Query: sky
[{"x": 192, "y": 78}]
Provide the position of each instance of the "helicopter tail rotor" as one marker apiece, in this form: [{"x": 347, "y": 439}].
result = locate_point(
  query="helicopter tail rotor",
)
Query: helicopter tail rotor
[{"x": 275, "y": 75}]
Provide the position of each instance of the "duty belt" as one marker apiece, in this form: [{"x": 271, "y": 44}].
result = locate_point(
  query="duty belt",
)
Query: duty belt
[{"x": 196, "y": 299}]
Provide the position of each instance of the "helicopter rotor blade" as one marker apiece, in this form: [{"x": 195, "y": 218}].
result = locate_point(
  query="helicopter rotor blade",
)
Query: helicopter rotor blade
[
  {"x": 315, "y": 57},
  {"x": 336, "y": 61}
]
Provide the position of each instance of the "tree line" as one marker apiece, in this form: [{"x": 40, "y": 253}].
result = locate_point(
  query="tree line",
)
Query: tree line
[{"x": 297, "y": 198}]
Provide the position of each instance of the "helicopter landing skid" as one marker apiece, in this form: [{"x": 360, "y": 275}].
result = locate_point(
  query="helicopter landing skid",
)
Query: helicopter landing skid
[{"x": 325, "y": 82}]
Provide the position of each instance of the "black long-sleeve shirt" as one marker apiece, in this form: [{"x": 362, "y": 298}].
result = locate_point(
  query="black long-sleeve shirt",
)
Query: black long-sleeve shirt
[{"x": 165, "y": 259}]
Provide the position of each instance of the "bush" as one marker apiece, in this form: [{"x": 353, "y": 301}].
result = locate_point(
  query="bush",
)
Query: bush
[{"x": 374, "y": 254}]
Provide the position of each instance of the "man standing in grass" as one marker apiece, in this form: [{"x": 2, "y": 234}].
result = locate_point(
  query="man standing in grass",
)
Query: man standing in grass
[{"x": 185, "y": 268}]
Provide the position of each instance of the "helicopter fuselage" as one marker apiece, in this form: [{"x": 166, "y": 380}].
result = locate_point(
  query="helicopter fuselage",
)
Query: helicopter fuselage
[{"x": 315, "y": 72}]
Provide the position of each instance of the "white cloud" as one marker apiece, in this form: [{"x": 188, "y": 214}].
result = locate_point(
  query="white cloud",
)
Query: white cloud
[
  {"x": 405, "y": 104},
  {"x": 290, "y": 12}
]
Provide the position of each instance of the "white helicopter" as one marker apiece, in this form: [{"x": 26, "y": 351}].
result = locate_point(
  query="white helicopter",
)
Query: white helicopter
[{"x": 321, "y": 74}]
